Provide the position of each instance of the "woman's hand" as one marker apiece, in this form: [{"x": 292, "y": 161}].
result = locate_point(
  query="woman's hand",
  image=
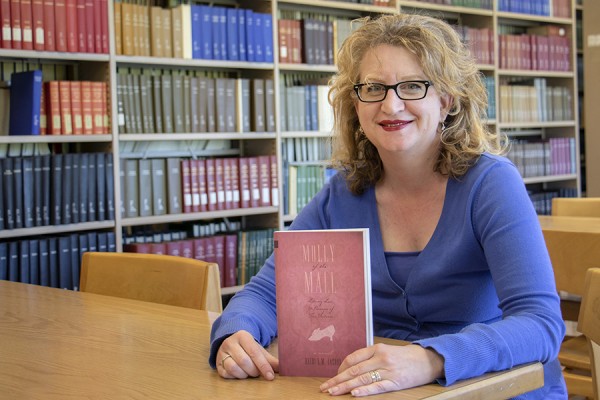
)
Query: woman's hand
[
  {"x": 385, "y": 368},
  {"x": 240, "y": 357}
]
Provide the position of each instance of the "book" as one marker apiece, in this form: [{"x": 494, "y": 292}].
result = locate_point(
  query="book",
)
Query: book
[
  {"x": 26, "y": 90},
  {"x": 323, "y": 298}
]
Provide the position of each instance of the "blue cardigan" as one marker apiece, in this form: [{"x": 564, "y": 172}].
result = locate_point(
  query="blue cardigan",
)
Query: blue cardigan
[{"x": 481, "y": 293}]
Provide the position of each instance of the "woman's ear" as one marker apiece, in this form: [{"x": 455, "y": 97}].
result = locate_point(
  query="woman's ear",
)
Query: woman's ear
[{"x": 446, "y": 103}]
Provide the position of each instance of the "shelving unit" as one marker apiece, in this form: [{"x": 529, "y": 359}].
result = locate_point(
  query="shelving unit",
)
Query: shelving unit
[{"x": 105, "y": 67}]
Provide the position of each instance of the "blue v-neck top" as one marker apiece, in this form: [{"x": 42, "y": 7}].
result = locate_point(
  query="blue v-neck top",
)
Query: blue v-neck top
[{"x": 481, "y": 292}]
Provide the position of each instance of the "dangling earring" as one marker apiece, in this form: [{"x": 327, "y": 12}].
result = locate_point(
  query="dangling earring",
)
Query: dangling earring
[
  {"x": 442, "y": 127},
  {"x": 360, "y": 130}
]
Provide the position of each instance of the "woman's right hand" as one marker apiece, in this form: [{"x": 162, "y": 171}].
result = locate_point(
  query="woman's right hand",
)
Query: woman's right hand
[{"x": 240, "y": 357}]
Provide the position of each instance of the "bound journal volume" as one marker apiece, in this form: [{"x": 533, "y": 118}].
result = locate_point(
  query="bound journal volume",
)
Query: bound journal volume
[{"x": 323, "y": 280}]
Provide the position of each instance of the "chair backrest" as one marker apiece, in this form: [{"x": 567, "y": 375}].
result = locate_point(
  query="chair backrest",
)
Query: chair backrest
[
  {"x": 589, "y": 323},
  {"x": 576, "y": 206},
  {"x": 172, "y": 280}
]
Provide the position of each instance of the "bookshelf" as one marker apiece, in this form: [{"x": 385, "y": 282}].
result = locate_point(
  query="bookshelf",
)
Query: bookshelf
[{"x": 135, "y": 65}]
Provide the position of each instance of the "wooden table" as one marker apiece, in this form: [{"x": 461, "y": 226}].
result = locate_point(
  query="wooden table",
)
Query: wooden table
[{"x": 58, "y": 344}]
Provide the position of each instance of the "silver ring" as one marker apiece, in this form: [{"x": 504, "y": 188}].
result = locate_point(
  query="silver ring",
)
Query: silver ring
[
  {"x": 375, "y": 376},
  {"x": 225, "y": 358}
]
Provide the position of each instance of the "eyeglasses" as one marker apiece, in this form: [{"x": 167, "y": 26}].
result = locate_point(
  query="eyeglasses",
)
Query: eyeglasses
[{"x": 407, "y": 90}]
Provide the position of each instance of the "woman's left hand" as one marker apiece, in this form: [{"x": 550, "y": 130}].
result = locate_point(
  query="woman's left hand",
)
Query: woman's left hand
[{"x": 385, "y": 368}]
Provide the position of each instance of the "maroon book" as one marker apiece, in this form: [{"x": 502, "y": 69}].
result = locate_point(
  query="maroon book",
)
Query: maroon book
[{"x": 323, "y": 298}]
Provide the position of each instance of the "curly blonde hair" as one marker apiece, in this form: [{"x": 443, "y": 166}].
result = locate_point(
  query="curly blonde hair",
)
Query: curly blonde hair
[{"x": 446, "y": 62}]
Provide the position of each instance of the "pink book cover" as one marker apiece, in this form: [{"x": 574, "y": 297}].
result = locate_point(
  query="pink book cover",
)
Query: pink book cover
[
  {"x": 235, "y": 182},
  {"x": 244, "y": 180},
  {"x": 202, "y": 193},
  {"x": 323, "y": 299},
  {"x": 220, "y": 183},
  {"x": 211, "y": 184},
  {"x": 231, "y": 241},
  {"x": 264, "y": 180}
]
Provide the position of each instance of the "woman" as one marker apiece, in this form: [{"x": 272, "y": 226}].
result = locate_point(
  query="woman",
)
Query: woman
[{"x": 459, "y": 263}]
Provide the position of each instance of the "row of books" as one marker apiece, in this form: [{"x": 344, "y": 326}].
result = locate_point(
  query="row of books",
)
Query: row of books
[
  {"x": 536, "y": 158},
  {"x": 306, "y": 108},
  {"x": 480, "y": 42},
  {"x": 484, "y": 4},
  {"x": 194, "y": 31},
  {"x": 239, "y": 255},
  {"x": 171, "y": 186},
  {"x": 302, "y": 183},
  {"x": 56, "y": 189},
  {"x": 535, "y": 52},
  {"x": 379, "y": 3},
  {"x": 76, "y": 26},
  {"x": 56, "y": 107},
  {"x": 523, "y": 102},
  {"x": 51, "y": 261},
  {"x": 542, "y": 201},
  {"x": 156, "y": 102},
  {"x": 490, "y": 86},
  {"x": 554, "y": 8},
  {"x": 305, "y": 149}
]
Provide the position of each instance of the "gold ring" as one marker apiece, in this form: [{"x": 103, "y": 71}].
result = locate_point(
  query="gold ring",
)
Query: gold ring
[
  {"x": 225, "y": 358},
  {"x": 375, "y": 376}
]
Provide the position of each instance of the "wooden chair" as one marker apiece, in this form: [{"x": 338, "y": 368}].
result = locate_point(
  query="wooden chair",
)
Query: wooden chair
[
  {"x": 572, "y": 253},
  {"x": 589, "y": 323},
  {"x": 177, "y": 281}
]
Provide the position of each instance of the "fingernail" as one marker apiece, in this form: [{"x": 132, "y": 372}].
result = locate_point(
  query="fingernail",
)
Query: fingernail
[
  {"x": 270, "y": 376},
  {"x": 333, "y": 390},
  {"x": 355, "y": 392}
]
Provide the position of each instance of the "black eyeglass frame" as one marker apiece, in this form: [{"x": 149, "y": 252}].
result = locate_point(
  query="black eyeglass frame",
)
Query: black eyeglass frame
[{"x": 388, "y": 87}]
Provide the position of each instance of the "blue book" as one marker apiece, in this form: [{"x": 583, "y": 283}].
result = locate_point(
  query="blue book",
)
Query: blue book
[
  {"x": 34, "y": 261},
  {"x": 13, "y": 261},
  {"x": 44, "y": 263},
  {"x": 233, "y": 45},
  {"x": 250, "y": 36},
  {"x": 206, "y": 32},
  {"x": 268, "y": 37},
  {"x": 24, "y": 261},
  {"x": 259, "y": 54},
  {"x": 25, "y": 102},
  {"x": 196, "y": 31},
  {"x": 216, "y": 33},
  {"x": 241, "y": 20},
  {"x": 222, "y": 13},
  {"x": 53, "y": 258},
  {"x": 4, "y": 261}
]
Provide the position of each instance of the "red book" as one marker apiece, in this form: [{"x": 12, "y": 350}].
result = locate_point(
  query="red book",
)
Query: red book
[
  {"x": 37, "y": 15},
  {"x": 52, "y": 107},
  {"x": 98, "y": 102},
  {"x": 26, "y": 25},
  {"x": 49, "y": 34},
  {"x": 71, "y": 7},
  {"x": 6, "y": 24},
  {"x": 174, "y": 248},
  {"x": 274, "y": 181},
  {"x": 66, "y": 116},
  {"x": 158, "y": 248},
  {"x": 227, "y": 183},
  {"x": 199, "y": 249},
  {"x": 186, "y": 185},
  {"x": 230, "y": 260},
  {"x": 81, "y": 26},
  {"x": 194, "y": 182},
  {"x": 60, "y": 25},
  {"x": 235, "y": 181},
  {"x": 201, "y": 179},
  {"x": 210, "y": 255},
  {"x": 187, "y": 248},
  {"x": 105, "y": 118},
  {"x": 220, "y": 183},
  {"x": 254, "y": 179},
  {"x": 211, "y": 184},
  {"x": 264, "y": 180},
  {"x": 76, "y": 108},
  {"x": 244, "y": 174},
  {"x": 145, "y": 248},
  {"x": 97, "y": 27},
  {"x": 86, "y": 107},
  {"x": 219, "y": 241},
  {"x": 43, "y": 113},
  {"x": 89, "y": 27},
  {"x": 104, "y": 25},
  {"x": 15, "y": 23},
  {"x": 323, "y": 299}
]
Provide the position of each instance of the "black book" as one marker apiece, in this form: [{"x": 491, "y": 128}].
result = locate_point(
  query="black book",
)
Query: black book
[
  {"x": 44, "y": 263},
  {"x": 91, "y": 207},
  {"x": 53, "y": 257},
  {"x": 83, "y": 248},
  {"x": 46, "y": 188},
  {"x": 64, "y": 263},
  {"x": 8, "y": 194},
  {"x": 27, "y": 164},
  {"x": 37, "y": 191},
  {"x": 84, "y": 160},
  {"x": 75, "y": 179},
  {"x": 100, "y": 187},
  {"x": 25, "y": 276},
  {"x": 75, "y": 260},
  {"x": 92, "y": 239},
  {"x": 67, "y": 193},
  {"x": 102, "y": 242},
  {"x": 3, "y": 261},
  {"x": 111, "y": 242},
  {"x": 110, "y": 187},
  {"x": 56, "y": 199},
  {"x": 34, "y": 261},
  {"x": 18, "y": 190},
  {"x": 13, "y": 261}
]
